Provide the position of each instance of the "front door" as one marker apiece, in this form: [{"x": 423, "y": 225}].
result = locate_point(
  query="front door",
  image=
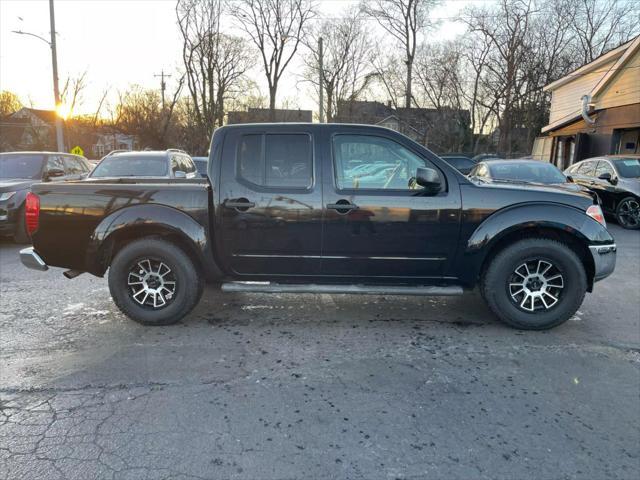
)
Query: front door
[
  {"x": 605, "y": 189},
  {"x": 375, "y": 224},
  {"x": 270, "y": 205}
]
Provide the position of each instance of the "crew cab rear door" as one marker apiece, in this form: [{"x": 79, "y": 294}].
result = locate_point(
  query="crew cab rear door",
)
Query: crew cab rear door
[
  {"x": 375, "y": 225},
  {"x": 270, "y": 204}
]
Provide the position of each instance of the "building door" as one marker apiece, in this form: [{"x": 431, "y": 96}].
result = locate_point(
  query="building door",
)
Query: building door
[{"x": 565, "y": 152}]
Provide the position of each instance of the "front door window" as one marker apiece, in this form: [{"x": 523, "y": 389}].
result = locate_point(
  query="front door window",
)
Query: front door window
[{"x": 365, "y": 162}]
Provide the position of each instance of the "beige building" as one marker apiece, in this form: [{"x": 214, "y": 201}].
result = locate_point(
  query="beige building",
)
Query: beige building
[{"x": 595, "y": 110}]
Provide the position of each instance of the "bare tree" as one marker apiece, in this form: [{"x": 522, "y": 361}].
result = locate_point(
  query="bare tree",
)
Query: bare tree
[
  {"x": 440, "y": 84},
  {"x": 276, "y": 27},
  {"x": 96, "y": 115},
  {"x": 346, "y": 60},
  {"x": 507, "y": 35},
  {"x": 214, "y": 62},
  {"x": 71, "y": 93},
  {"x": 405, "y": 21},
  {"x": 234, "y": 59},
  {"x": 139, "y": 112},
  {"x": 601, "y": 25}
]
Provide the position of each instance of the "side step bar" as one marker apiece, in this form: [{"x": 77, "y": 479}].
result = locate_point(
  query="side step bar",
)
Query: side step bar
[{"x": 422, "y": 290}]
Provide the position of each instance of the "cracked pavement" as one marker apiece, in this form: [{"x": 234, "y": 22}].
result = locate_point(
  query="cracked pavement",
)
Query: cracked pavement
[{"x": 254, "y": 386}]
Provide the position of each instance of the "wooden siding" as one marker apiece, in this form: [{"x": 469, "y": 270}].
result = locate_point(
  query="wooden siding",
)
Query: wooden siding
[
  {"x": 566, "y": 100},
  {"x": 624, "y": 88},
  {"x": 607, "y": 121}
]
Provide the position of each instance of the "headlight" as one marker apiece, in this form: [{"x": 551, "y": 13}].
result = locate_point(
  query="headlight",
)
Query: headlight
[{"x": 6, "y": 196}]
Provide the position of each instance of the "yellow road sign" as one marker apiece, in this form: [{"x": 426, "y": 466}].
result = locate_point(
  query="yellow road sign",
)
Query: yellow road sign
[{"x": 77, "y": 150}]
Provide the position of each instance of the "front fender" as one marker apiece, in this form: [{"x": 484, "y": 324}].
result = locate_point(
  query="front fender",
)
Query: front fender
[
  {"x": 562, "y": 219},
  {"x": 145, "y": 220}
]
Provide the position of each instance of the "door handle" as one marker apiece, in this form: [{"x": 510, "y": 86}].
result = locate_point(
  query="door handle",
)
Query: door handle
[
  {"x": 241, "y": 204},
  {"x": 342, "y": 206}
]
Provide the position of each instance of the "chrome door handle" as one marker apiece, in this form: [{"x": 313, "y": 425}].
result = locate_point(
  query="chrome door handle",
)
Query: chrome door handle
[
  {"x": 241, "y": 204},
  {"x": 342, "y": 206}
]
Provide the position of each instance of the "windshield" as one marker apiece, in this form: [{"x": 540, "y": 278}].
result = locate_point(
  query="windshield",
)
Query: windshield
[
  {"x": 627, "y": 167},
  {"x": 527, "y": 172},
  {"x": 460, "y": 162},
  {"x": 131, "y": 166},
  {"x": 21, "y": 165}
]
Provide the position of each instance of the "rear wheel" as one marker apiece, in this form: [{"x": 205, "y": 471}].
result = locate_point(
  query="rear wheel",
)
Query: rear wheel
[
  {"x": 154, "y": 282},
  {"x": 628, "y": 213},
  {"x": 534, "y": 284}
]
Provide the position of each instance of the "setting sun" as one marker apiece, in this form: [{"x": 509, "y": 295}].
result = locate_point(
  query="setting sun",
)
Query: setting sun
[{"x": 63, "y": 111}]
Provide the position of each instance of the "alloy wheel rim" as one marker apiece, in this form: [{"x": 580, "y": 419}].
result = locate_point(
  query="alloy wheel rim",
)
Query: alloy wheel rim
[
  {"x": 536, "y": 285},
  {"x": 151, "y": 283},
  {"x": 629, "y": 213}
]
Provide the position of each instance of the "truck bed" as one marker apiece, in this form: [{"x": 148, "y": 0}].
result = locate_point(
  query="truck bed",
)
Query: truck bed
[{"x": 73, "y": 215}]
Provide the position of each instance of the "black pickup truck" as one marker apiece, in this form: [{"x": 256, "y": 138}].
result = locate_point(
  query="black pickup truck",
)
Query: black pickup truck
[{"x": 323, "y": 208}]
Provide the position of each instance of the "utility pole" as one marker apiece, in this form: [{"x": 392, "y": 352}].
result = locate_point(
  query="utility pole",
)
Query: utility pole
[
  {"x": 56, "y": 89},
  {"x": 321, "y": 79},
  {"x": 163, "y": 85},
  {"x": 54, "y": 63}
]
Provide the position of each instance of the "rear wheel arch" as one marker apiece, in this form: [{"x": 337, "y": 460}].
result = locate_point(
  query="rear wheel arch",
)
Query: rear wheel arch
[
  {"x": 149, "y": 221},
  {"x": 120, "y": 238}
]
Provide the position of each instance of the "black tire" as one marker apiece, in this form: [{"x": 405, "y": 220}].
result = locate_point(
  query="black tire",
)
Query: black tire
[
  {"x": 187, "y": 287},
  {"x": 21, "y": 235},
  {"x": 500, "y": 284},
  {"x": 628, "y": 213}
]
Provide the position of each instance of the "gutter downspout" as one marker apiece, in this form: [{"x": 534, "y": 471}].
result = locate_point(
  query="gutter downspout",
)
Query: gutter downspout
[{"x": 585, "y": 110}]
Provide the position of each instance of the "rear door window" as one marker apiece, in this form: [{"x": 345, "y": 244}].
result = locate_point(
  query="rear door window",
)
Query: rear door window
[
  {"x": 587, "y": 168},
  {"x": 276, "y": 160}
]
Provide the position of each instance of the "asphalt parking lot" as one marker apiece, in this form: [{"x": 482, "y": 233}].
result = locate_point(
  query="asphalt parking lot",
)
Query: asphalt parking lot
[{"x": 312, "y": 387}]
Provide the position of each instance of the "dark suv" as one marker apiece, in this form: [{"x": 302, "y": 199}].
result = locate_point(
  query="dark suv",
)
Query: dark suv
[{"x": 20, "y": 170}]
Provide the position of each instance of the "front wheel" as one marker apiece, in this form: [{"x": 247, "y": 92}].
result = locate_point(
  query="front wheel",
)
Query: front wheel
[
  {"x": 154, "y": 282},
  {"x": 628, "y": 213},
  {"x": 534, "y": 284}
]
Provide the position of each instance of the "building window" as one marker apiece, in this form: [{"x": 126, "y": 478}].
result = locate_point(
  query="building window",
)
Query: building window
[{"x": 628, "y": 142}]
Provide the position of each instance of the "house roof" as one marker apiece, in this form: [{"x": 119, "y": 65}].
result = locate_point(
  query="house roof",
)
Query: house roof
[
  {"x": 47, "y": 116},
  {"x": 620, "y": 55},
  {"x": 611, "y": 55}
]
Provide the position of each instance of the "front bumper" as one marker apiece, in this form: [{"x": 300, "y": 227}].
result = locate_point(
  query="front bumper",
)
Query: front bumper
[
  {"x": 31, "y": 259},
  {"x": 604, "y": 260}
]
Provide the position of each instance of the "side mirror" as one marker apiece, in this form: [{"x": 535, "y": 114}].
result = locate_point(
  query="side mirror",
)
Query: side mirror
[
  {"x": 570, "y": 179},
  {"x": 429, "y": 179},
  {"x": 179, "y": 174},
  {"x": 607, "y": 176},
  {"x": 53, "y": 173}
]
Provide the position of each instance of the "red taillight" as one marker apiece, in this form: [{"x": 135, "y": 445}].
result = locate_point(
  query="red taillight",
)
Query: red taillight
[
  {"x": 32, "y": 212},
  {"x": 595, "y": 212}
]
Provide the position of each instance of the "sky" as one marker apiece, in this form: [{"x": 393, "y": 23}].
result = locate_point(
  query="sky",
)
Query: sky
[{"x": 124, "y": 42}]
